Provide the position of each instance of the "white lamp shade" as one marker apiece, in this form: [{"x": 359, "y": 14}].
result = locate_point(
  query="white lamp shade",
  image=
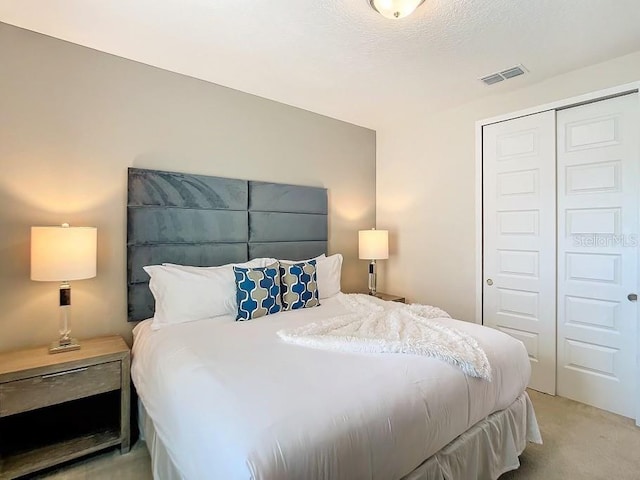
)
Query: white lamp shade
[
  {"x": 373, "y": 244},
  {"x": 63, "y": 253},
  {"x": 395, "y": 9}
]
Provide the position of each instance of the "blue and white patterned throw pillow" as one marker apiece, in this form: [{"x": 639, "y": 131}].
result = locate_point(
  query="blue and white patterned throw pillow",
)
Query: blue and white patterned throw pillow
[
  {"x": 299, "y": 285},
  {"x": 257, "y": 291}
]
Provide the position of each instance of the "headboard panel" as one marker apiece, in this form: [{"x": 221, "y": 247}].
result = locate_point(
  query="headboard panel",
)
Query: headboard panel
[
  {"x": 278, "y": 197},
  {"x": 171, "y": 189},
  {"x": 208, "y": 221},
  {"x": 287, "y": 250}
]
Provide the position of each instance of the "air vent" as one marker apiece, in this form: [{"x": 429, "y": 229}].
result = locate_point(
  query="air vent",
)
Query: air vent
[
  {"x": 512, "y": 72},
  {"x": 504, "y": 75},
  {"x": 491, "y": 79}
]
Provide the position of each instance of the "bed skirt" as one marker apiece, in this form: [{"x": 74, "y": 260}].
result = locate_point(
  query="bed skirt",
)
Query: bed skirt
[{"x": 485, "y": 451}]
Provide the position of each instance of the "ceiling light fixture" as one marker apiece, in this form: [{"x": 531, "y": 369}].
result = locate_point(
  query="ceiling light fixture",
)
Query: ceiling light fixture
[{"x": 395, "y": 9}]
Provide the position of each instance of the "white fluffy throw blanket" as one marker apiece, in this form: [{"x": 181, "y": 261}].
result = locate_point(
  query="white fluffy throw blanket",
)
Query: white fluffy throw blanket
[{"x": 393, "y": 328}]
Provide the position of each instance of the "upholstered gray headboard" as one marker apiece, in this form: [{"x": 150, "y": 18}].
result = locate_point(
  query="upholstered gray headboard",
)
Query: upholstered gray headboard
[{"x": 209, "y": 221}]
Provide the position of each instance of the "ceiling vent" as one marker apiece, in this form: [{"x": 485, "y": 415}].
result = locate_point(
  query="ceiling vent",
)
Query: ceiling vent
[{"x": 504, "y": 75}]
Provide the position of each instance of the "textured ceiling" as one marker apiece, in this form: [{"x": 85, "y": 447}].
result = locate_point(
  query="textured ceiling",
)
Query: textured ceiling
[{"x": 339, "y": 57}]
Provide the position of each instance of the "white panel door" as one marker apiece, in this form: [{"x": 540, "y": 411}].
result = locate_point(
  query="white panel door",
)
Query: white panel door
[
  {"x": 519, "y": 228},
  {"x": 598, "y": 184}
]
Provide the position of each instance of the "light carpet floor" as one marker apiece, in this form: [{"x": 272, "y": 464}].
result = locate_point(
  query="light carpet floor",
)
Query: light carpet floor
[{"x": 580, "y": 442}]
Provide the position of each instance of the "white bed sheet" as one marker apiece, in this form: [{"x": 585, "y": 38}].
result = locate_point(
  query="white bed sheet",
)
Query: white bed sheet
[{"x": 231, "y": 400}]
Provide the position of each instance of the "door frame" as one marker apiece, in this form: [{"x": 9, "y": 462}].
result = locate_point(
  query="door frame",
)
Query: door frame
[{"x": 624, "y": 89}]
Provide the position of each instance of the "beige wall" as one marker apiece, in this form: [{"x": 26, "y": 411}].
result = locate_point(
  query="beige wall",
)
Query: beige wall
[
  {"x": 72, "y": 120},
  {"x": 426, "y": 187}
]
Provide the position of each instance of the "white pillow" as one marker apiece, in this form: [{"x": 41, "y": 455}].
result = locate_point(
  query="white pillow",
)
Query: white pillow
[
  {"x": 329, "y": 271},
  {"x": 301, "y": 261},
  {"x": 184, "y": 293},
  {"x": 255, "y": 263}
]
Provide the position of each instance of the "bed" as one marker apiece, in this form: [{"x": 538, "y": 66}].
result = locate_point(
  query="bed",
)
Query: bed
[{"x": 226, "y": 399}]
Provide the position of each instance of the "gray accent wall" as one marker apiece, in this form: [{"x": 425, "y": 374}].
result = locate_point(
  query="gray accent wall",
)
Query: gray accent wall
[{"x": 72, "y": 120}]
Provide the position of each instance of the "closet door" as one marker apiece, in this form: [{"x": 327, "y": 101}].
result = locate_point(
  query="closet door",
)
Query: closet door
[
  {"x": 598, "y": 183},
  {"x": 519, "y": 228}
]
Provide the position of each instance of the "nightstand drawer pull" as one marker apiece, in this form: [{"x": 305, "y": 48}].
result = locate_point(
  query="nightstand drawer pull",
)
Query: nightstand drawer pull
[{"x": 68, "y": 372}]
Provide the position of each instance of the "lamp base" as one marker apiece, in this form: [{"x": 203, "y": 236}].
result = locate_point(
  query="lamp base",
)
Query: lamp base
[
  {"x": 59, "y": 346},
  {"x": 372, "y": 278}
]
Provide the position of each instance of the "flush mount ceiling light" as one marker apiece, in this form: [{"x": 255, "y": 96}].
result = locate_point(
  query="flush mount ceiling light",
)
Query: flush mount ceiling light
[{"x": 395, "y": 9}]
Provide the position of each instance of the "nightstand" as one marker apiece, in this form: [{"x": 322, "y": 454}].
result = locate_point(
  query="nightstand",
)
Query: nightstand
[
  {"x": 390, "y": 298},
  {"x": 58, "y": 407}
]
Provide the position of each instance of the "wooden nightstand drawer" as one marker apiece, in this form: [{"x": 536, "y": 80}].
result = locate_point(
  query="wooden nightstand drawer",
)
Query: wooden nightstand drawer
[{"x": 45, "y": 390}]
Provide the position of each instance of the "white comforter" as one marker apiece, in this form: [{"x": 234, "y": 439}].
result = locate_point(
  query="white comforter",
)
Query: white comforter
[{"x": 230, "y": 400}]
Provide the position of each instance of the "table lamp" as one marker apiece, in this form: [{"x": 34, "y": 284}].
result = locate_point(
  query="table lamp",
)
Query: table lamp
[
  {"x": 373, "y": 245},
  {"x": 62, "y": 254}
]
